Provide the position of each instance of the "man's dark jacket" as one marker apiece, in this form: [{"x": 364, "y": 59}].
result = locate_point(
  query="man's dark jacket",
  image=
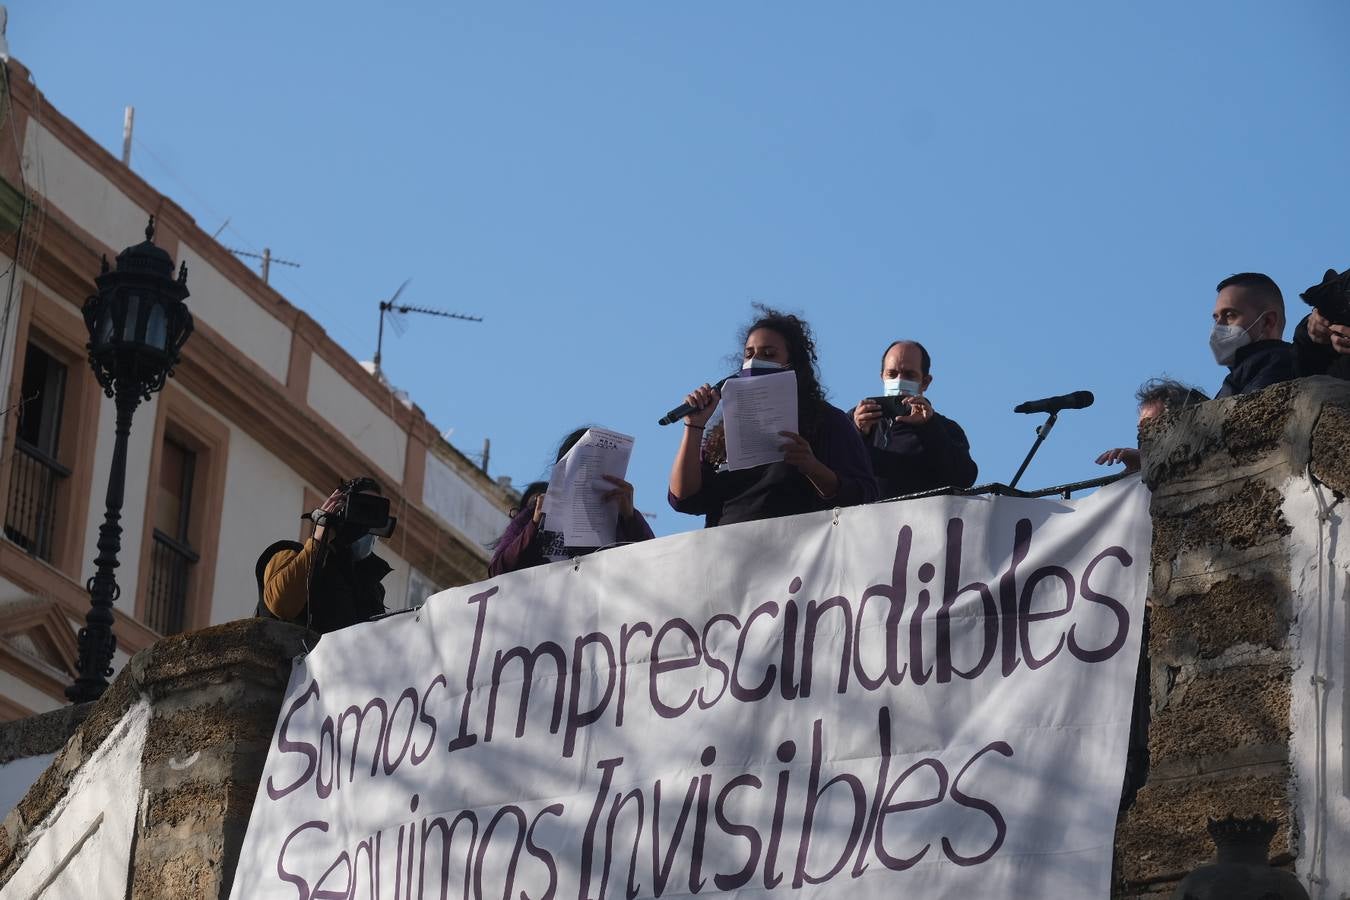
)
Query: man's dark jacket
[
  {"x": 1312, "y": 358},
  {"x": 912, "y": 458},
  {"x": 1258, "y": 365}
]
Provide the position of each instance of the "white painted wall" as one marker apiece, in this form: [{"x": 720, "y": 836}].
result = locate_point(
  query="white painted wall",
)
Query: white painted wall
[
  {"x": 263, "y": 501},
  {"x": 372, "y": 430},
  {"x": 17, "y": 776},
  {"x": 253, "y": 330},
  {"x": 420, "y": 587},
  {"x": 136, "y": 493},
  {"x": 1320, "y": 746},
  {"x": 79, "y": 191},
  {"x": 21, "y": 692},
  {"x": 11, "y": 591},
  {"x": 458, "y": 503},
  {"x": 83, "y": 847}
]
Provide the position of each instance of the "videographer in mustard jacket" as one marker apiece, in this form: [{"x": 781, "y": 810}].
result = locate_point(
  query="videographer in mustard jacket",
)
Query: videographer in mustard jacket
[{"x": 333, "y": 579}]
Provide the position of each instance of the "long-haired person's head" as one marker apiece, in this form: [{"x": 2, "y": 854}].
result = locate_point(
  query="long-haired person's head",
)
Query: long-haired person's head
[
  {"x": 570, "y": 441},
  {"x": 784, "y": 338},
  {"x": 532, "y": 490}
]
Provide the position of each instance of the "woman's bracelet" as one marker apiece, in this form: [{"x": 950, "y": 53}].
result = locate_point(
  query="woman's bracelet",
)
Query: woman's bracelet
[{"x": 695, "y": 427}]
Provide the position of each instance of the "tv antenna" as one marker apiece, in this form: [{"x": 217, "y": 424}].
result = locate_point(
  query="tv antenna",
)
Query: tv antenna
[
  {"x": 392, "y": 306},
  {"x": 266, "y": 257}
]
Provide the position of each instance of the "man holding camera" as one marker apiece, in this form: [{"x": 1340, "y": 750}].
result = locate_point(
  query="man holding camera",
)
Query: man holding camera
[
  {"x": 1322, "y": 339},
  {"x": 333, "y": 579},
  {"x": 913, "y": 448}
]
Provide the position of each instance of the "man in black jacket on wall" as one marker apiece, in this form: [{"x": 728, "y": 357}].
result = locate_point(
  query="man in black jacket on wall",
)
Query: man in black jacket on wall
[
  {"x": 920, "y": 450},
  {"x": 1322, "y": 343},
  {"x": 1248, "y": 334}
]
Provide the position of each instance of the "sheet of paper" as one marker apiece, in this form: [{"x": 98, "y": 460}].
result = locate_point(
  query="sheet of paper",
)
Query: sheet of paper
[
  {"x": 756, "y": 409},
  {"x": 574, "y": 504}
]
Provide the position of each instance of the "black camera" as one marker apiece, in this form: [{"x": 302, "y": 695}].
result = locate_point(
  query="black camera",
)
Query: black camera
[
  {"x": 892, "y": 407},
  {"x": 1331, "y": 297},
  {"x": 359, "y": 513}
]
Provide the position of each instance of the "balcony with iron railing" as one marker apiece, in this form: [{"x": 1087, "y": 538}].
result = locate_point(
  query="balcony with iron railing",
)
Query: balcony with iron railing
[
  {"x": 171, "y": 563},
  {"x": 30, "y": 518}
]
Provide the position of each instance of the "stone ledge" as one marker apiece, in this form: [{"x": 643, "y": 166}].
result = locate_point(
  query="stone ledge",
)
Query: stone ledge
[
  {"x": 254, "y": 650},
  {"x": 1220, "y": 436},
  {"x": 1253, "y": 759},
  {"x": 44, "y": 733}
]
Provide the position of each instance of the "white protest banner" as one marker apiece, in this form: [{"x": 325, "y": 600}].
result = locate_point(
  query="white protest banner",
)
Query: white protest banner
[{"x": 927, "y": 698}]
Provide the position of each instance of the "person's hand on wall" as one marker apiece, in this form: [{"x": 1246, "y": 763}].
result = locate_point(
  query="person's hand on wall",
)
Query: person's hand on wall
[{"x": 1127, "y": 455}]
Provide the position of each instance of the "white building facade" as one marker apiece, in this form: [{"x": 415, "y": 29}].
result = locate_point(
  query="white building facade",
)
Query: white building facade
[{"x": 265, "y": 416}]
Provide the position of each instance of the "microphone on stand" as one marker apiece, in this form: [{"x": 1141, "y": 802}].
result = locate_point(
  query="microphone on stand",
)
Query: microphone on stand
[
  {"x": 1051, "y": 405},
  {"x": 1076, "y": 400},
  {"x": 685, "y": 409}
]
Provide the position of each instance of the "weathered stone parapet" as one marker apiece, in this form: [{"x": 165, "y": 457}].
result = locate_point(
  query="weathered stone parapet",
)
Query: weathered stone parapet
[
  {"x": 41, "y": 734},
  {"x": 1223, "y": 620},
  {"x": 213, "y": 698}
]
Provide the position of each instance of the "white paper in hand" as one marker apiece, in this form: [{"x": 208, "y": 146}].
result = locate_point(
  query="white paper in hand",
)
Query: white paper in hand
[
  {"x": 755, "y": 410},
  {"x": 574, "y": 504}
]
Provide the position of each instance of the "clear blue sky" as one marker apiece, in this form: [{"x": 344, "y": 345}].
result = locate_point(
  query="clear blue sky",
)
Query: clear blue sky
[{"x": 1044, "y": 194}]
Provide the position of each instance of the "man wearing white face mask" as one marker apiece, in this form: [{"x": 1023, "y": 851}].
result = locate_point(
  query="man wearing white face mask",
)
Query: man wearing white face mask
[
  {"x": 919, "y": 450},
  {"x": 1248, "y": 334}
]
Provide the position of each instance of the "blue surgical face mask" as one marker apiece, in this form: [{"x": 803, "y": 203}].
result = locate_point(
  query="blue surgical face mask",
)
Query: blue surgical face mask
[
  {"x": 761, "y": 367},
  {"x": 363, "y": 546},
  {"x": 894, "y": 387}
]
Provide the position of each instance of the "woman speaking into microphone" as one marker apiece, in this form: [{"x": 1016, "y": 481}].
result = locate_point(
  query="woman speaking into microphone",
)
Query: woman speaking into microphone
[{"x": 824, "y": 462}]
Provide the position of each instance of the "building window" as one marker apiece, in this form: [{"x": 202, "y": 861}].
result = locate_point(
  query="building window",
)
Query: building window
[
  {"x": 35, "y": 474},
  {"x": 172, "y": 557}
]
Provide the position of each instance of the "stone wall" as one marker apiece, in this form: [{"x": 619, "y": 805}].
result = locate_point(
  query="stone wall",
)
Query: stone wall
[
  {"x": 213, "y": 698},
  {"x": 1224, "y": 642}
]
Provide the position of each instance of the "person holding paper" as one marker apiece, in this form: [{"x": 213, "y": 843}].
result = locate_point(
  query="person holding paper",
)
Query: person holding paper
[
  {"x": 528, "y": 541},
  {"x": 823, "y": 464}
]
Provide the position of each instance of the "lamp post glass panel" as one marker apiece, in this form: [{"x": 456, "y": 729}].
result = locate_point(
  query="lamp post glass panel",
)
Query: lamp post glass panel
[{"x": 137, "y": 325}]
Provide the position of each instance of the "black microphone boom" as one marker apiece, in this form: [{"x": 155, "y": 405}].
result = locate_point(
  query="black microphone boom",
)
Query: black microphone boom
[
  {"x": 1076, "y": 400},
  {"x": 685, "y": 409}
]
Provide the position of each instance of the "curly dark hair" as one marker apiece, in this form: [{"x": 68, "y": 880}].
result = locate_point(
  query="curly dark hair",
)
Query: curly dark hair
[{"x": 802, "y": 359}]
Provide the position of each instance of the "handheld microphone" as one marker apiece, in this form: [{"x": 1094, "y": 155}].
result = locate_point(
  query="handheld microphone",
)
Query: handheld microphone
[
  {"x": 1076, "y": 400},
  {"x": 685, "y": 409}
]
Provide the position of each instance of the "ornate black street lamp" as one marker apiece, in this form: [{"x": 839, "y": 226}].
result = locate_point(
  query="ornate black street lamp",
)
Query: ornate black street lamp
[{"x": 137, "y": 325}]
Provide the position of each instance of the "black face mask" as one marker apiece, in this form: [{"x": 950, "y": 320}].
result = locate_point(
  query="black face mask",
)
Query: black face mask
[{"x": 348, "y": 535}]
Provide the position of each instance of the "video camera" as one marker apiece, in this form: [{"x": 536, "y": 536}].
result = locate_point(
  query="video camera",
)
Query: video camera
[
  {"x": 358, "y": 514},
  {"x": 892, "y": 407},
  {"x": 1331, "y": 297}
]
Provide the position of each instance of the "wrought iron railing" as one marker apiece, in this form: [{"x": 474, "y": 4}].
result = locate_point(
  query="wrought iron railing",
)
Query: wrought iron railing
[
  {"x": 30, "y": 519},
  {"x": 999, "y": 489},
  {"x": 171, "y": 565}
]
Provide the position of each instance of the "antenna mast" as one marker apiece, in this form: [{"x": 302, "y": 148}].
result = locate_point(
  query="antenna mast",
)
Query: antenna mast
[
  {"x": 266, "y": 257},
  {"x": 128, "y": 122},
  {"x": 392, "y": 306}
]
